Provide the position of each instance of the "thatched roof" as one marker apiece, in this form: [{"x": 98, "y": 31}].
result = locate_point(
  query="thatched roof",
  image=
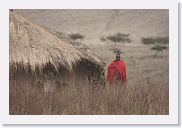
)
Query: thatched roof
[
  {"x": 33, "y": 46},
  {"x": 78, "y": 45}
]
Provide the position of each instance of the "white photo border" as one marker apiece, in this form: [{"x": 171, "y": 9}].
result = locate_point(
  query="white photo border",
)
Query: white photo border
[{"x": 172, "y": 118}]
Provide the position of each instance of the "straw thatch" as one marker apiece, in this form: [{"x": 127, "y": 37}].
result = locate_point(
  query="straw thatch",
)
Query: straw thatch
[{"x": 33, "y": 47}]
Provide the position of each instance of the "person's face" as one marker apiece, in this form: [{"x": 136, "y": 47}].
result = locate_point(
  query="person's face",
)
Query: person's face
[{"x": 117, "y": 57}]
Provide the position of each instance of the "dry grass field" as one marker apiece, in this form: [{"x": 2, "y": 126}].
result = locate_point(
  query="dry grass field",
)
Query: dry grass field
[
  {"x": 147, "y": 91},
  {"x": 137, "y": 98}
]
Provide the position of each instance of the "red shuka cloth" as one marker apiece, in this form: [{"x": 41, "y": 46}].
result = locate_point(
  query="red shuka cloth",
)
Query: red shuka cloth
[{"x": 113, "y": 68}]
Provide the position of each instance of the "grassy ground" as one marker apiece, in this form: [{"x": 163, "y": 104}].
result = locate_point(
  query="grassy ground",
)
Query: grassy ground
[{"x": 150, "y": 98}]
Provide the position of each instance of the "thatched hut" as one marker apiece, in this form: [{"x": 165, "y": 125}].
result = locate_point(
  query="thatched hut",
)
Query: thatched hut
[{"x": 38, "y": 54}]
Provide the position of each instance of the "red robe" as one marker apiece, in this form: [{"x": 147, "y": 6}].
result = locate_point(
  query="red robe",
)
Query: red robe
[{"x": 119, "y": 68}]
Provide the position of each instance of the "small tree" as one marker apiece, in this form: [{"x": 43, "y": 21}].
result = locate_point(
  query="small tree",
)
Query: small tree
[
  {"x": 158, "y": 48},
  {"x": 158, "y": 43},
  {"x": 148, "y": 41},
  {"x": 162, "y": 40},
  {"x": 76, "y": 36},
  {"x": 119, "y": 37},
  {"x": 157, "y": 40}
]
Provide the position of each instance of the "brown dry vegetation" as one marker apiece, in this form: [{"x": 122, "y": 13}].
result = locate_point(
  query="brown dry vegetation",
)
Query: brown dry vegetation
[{"x": 30, "y": 98}]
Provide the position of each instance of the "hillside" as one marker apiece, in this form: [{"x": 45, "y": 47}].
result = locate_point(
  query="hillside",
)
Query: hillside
[{"x": 95, "y": 23}]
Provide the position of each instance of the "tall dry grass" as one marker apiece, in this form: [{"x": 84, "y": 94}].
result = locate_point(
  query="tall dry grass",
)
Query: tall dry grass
[{"x": 29, "y": 98}]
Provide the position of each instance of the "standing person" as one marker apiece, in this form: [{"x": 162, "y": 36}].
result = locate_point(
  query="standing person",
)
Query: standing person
[{"x": 116, "y": 74}]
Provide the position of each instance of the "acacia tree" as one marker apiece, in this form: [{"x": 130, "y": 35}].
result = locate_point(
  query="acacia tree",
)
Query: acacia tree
[
  {"x": 159, "y": 44},
  {"x": 157, "y": 40},
  {"x": 119, "y": 38},
  {"x": 158, "y": 48},
  {"x": 116, "y": 38}
]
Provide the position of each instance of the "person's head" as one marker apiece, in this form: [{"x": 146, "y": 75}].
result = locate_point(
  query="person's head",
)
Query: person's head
[{"x": 117, "y": 57}]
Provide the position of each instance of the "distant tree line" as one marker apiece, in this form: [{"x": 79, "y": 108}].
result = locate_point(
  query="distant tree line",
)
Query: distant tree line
[{"x": 158, "y": 44}]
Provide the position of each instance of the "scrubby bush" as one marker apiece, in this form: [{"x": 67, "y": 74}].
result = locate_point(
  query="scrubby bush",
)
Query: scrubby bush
[
  {"x": 156, "y": 40},
  {"x": 76, "y": 36},
  {"x": 158, "y": 48}
]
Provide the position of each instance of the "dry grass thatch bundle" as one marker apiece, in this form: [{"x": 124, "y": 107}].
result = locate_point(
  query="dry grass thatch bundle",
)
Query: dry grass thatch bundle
[{"x": 33, "y": 48}]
